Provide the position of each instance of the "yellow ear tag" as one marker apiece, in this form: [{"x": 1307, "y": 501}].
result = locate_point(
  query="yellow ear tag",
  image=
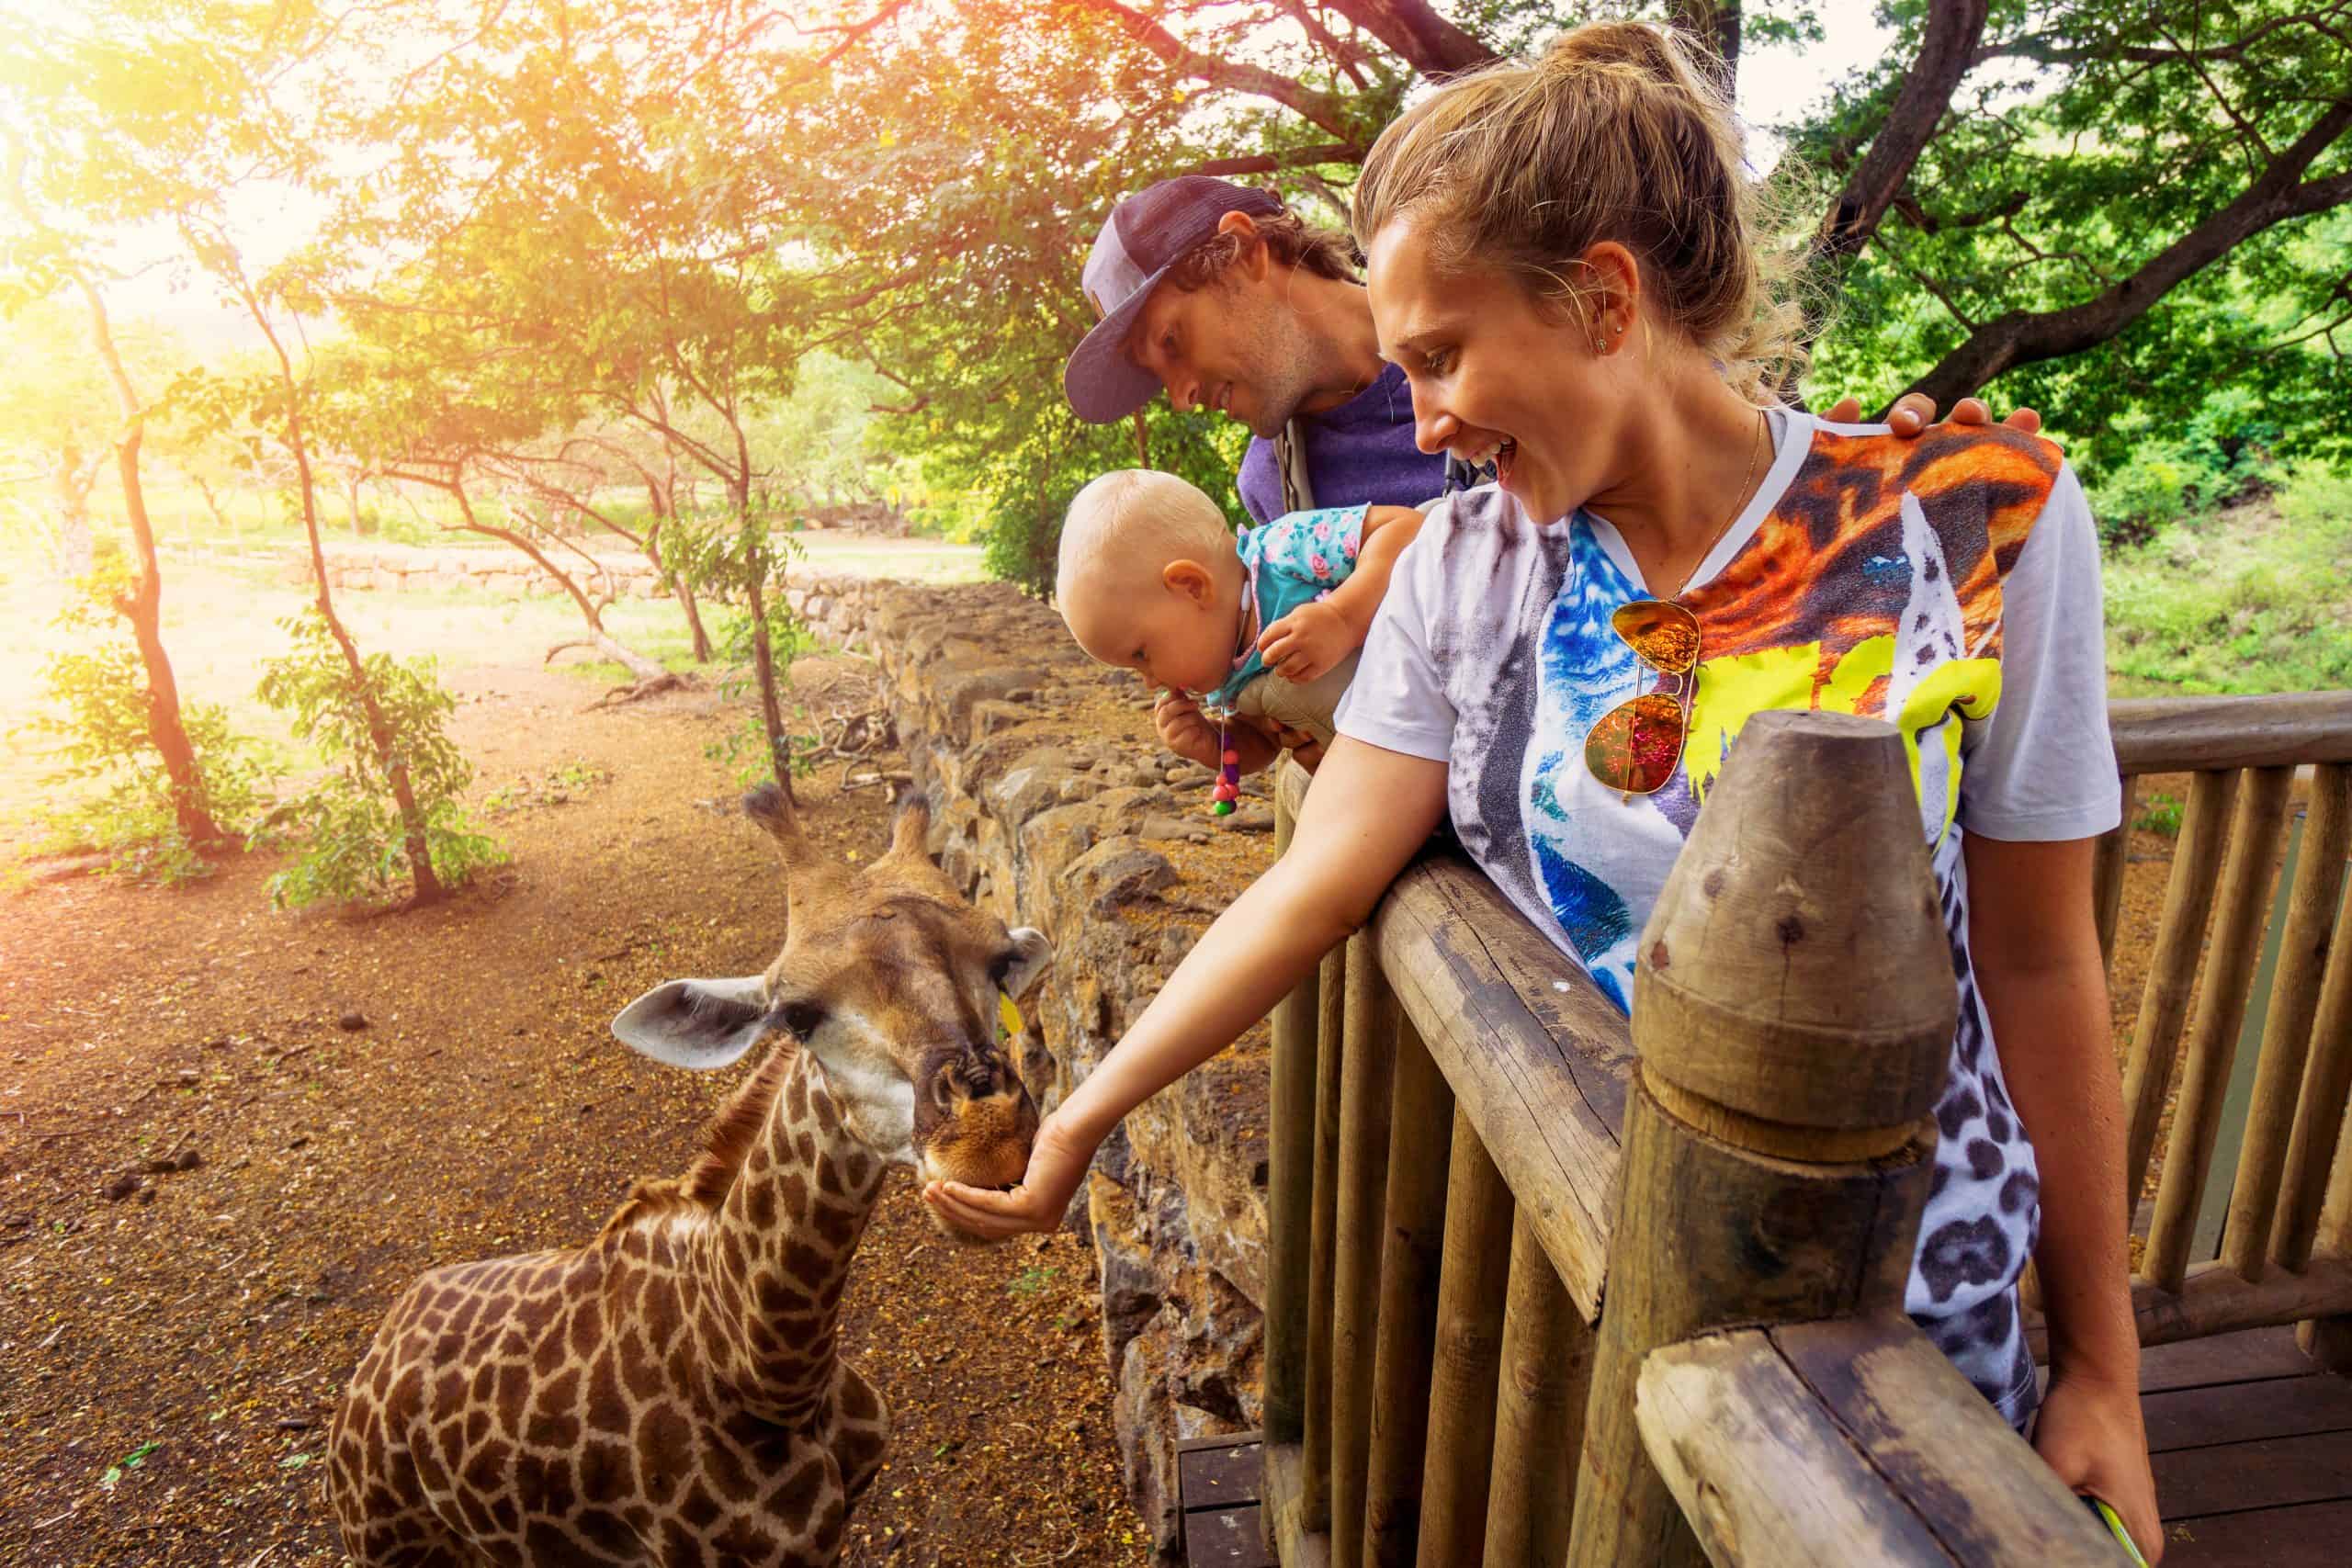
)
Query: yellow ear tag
[{"x": 1008, "y": 1015}]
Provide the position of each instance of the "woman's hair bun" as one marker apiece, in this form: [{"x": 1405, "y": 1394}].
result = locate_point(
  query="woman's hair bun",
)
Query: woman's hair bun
[{"x": 1645, "y": 47}]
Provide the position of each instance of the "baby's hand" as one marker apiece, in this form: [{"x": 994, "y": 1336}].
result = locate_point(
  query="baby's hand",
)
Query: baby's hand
[
  {"x": 1308, "y": 641},
  {"x": 1183, "y": 730}
]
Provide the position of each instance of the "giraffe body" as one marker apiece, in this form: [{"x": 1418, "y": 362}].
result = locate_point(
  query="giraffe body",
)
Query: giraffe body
[{"x": 671, "y": 1393}]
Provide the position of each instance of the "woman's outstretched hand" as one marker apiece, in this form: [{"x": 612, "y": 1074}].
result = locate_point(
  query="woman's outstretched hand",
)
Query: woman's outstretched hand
[
  {"x": 2091, "y": 1433},
  {"x": 1058, "y": 1163},
  {"x": 1914, "y": 412}
]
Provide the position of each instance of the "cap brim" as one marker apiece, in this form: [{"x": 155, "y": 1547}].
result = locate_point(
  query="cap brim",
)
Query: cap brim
[{"x": 1101, "y": 382}]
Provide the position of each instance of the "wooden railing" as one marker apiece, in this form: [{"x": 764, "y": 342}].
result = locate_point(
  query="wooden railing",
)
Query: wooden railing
[
  {"x": 2264, "y": 1079},
  {"x": 1471, "y": 1155}
]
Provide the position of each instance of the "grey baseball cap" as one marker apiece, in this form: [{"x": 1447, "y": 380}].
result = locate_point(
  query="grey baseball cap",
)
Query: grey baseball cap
[{"x": 1147, "y": 233}]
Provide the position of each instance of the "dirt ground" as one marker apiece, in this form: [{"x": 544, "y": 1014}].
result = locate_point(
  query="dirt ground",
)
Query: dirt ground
[{"x": 169, "y": 1359}]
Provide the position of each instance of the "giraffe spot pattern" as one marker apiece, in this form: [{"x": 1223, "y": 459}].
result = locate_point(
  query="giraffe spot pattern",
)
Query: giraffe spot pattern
[{"x": 651, "y": 1399}]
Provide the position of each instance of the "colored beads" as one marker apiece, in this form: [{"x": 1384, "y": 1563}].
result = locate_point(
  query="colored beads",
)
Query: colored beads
[{"x": 1229, "y": 778}]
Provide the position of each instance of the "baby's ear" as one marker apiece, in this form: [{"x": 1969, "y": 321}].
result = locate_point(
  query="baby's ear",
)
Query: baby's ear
[{"x": 1189, "y": 580}]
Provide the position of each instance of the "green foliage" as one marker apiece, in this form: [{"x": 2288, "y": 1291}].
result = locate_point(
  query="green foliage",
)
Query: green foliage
[
  {"x": 346, "y": 832},
  {"x": 2093, "y": 136},
  {"x": 556, "y": 786},
  {"x": 107, "y": 757},
  {"x": 2223, "y": 454},
  {"x": 2160, "y": 813},
  {"x": 2253, "y": 598}
]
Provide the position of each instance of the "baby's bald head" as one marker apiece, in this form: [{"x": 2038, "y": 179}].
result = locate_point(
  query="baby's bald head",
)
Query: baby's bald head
[{"x": 1125, "y": 527}]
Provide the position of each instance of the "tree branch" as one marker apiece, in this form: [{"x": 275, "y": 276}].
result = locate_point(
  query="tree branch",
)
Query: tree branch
[
  {"x": 2043, "y": 49},
  {"x": 1945, "y": 52},
  {"x": 1425, "y": 40},
  {"x": 1290, "y": 158},
  {"x": 2023, "y": 337},
  {"x": 1317, "y": 109}
]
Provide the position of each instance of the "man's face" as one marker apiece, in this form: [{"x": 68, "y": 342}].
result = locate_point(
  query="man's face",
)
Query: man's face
[{"x": 1233, "y": 348}]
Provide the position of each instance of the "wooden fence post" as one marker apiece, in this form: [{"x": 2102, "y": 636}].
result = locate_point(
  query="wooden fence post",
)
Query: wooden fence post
[
  {"x": 1539, "y": 1398},
  {"x": 1314, "y": 1478},
  {"x": 1367, "y": 1077},
  {"x": 1419, "y": 1153},
  {"x": 1793, "y": 1011},
  {"x": 1478, "y": 1211},
  {"x": 1289, "y": 1139}
]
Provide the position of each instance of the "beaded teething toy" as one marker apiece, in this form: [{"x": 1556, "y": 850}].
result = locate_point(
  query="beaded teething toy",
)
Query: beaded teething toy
[{"x": 1228, "y": 775}]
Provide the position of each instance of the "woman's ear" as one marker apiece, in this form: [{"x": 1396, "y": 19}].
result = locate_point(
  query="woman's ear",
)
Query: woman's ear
[
  {"x": 1189, "y": 581},
  {"x": 1611, "y": 298}
]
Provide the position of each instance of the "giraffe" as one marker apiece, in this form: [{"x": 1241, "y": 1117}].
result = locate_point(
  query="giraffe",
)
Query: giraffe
[{"x": 671, "y": 1393}]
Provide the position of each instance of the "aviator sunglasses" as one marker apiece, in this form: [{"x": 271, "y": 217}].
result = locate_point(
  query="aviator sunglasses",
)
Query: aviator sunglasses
[{"x": 1633, "y": 748}]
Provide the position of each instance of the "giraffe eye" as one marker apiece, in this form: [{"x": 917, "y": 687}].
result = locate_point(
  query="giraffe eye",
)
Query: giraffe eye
[{"x": 803, "y": 1018}]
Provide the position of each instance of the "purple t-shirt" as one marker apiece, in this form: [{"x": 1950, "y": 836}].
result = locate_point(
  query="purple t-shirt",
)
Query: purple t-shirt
[{"x": 1361, "y": 453}]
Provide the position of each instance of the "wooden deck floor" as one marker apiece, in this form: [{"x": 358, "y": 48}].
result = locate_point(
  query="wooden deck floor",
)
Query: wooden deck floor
[
  {"x": 2252, "y": 1448},
  {"x": 2253, "y": 1452}
]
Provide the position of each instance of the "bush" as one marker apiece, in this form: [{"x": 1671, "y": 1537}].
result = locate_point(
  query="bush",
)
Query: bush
[
  {"x": 2241, "y": 600},
  {"x": 1024, "y": 539},
  {"x": 351, "y": 842},
  {"x": 2224, "y": 454},
  {"x": 108, "y": 747}
]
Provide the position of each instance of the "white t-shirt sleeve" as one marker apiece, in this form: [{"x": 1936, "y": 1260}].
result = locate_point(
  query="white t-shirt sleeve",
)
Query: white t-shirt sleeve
[
  {"x": 2045, "y": 767},
  {"x": 1397, "y": 700}
]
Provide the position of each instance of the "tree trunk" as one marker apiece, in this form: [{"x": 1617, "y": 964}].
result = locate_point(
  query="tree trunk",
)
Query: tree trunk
[
  {"x": 418, "y": 845},
  {"x": 143, "y": 608},
  {"x": 213, "y": 504},
  {"x": 351, "y": 501},
  {"x": 650, "y": 674},
  {"x": 1716, "y": 25},
  {"x": 764, "y": 668},
  {"x": 661, "y": 498},
  {"x": 76, "y": 549}
]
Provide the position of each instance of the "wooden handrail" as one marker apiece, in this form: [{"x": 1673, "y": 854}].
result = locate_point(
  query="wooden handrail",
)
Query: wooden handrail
[
  {"x": 2177, "y": 735},
  {"x": 1903, "y": 1463}
]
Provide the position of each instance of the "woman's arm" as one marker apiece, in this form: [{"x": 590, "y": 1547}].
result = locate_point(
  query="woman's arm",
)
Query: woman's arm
[
  {"x": 1368, "y": 811},
  {"x": 2037, "y": 961},
  {"x": 1314, "y": 638}
]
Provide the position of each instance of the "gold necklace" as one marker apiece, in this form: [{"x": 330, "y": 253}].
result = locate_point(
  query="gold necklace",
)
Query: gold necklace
[{"x": 1739, "y": 503}]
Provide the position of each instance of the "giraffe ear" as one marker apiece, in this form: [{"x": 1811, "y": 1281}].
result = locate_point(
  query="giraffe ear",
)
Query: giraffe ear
[
  {"x": 701, "y": 1024},
  {"x": 1021, "y": 968}
]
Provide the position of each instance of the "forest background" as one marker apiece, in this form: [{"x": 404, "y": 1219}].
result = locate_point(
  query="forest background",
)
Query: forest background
[{"x": 677, "y": 278}]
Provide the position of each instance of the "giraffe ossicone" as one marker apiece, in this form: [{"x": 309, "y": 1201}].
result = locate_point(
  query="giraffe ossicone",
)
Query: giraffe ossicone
[{"x": 672, "y": 1393}]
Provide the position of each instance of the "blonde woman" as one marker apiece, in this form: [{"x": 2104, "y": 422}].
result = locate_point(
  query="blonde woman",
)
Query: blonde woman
[{"x": 1562, "y": 258}]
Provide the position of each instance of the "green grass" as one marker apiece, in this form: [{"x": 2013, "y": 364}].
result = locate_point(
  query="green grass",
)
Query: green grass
[{"x": 2251, "y": 598}]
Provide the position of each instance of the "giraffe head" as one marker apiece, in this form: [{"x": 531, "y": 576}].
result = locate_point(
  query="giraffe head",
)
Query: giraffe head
[{"x": 889, "y": 980}]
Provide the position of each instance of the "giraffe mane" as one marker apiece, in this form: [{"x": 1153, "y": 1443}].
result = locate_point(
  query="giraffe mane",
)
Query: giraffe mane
[{"x": 726, "y": 1141}]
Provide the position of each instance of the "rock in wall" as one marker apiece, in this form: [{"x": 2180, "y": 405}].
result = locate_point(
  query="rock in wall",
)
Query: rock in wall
[{"x": 1054, "y": 804}]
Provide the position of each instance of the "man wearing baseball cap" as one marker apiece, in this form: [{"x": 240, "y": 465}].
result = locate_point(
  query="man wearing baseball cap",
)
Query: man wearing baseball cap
[{"x": 1219, "y": 294}]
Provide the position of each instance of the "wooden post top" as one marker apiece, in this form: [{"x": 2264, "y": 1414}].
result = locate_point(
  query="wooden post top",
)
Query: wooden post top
[{"x": 1796, "y": 972}]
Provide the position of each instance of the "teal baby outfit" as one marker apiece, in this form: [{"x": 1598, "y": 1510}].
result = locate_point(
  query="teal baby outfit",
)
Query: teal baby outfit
[{"x": 1292, "y": 560}]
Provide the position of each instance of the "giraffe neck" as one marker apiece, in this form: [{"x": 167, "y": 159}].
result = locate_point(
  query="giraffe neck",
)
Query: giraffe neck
[{"x": 773, "y": 1261}]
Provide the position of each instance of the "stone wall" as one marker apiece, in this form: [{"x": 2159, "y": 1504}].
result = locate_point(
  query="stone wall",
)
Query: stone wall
[
  {"x": 396, "y": 568},
  {"x": 1057, "y": 808}
]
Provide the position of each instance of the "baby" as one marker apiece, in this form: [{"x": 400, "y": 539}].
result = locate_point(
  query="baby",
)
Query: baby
[{"x": 1261, "y": 629}]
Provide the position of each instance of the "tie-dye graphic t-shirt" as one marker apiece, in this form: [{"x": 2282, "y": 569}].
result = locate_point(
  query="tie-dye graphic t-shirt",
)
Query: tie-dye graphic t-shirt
[{"x": 1948, "y": 584}]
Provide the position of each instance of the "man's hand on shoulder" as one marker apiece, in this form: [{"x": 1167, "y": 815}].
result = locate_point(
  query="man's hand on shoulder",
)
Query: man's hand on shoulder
[{"x": 1914, "y": 412}]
